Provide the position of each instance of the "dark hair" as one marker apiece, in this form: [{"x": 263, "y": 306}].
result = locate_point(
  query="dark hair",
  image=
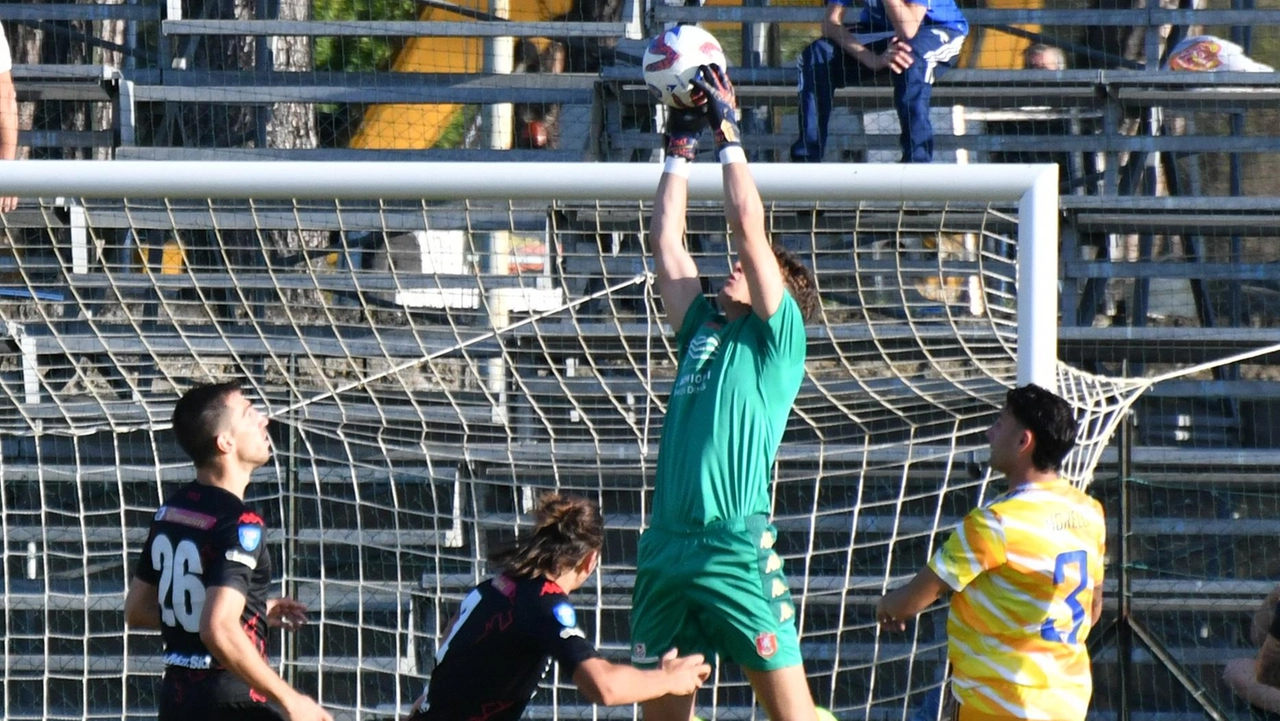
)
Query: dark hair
[
  {"x": 800, "y": 282},
  {"x": 566, "y": 529},
  {"x": 197, "y": 419},
  {"x": 1050, "y": 420}
]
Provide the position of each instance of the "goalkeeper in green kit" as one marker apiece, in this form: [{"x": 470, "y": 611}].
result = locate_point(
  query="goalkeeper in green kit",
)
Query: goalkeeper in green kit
[{"x": 708, "y": 579}]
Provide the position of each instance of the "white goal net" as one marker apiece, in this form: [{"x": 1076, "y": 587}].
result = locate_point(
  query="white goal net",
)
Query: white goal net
[{"x": 435, "y": 345}]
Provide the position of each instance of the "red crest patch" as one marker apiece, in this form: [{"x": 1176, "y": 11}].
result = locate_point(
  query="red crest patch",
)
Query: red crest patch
[
  {"x": 550, "y": 588},
  {"x": 251, "y": 517},
  {"x": 766, "y": 645}
]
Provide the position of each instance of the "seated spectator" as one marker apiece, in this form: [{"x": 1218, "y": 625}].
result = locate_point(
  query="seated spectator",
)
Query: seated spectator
[
  {"x": 1244, "y": 675},
  {"x": 537, "y": 125},
  {"x": 914, "y": 41},
  {"x": 1044, "y": 57},
  {"x": 1049, "y": 122}
]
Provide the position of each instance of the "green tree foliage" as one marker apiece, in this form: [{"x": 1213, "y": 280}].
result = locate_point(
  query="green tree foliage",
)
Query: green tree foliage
[{"x": 354, "y": 54}]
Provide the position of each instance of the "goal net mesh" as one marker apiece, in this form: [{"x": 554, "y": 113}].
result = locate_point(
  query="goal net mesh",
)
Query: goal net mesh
[{"x": 429, "y": 367}]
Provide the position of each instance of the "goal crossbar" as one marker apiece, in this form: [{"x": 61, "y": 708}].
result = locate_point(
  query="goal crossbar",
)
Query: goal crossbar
[{"x": 1032, "y": 187}]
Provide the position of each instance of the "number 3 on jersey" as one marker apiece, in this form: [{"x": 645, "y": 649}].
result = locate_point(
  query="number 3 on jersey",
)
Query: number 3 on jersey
[
  {"x": 1080, "y": 559},
  {"x": 181, "y": 587}
]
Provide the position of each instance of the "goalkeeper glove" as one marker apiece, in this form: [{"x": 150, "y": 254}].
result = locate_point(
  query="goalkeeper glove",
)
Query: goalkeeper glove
[
  {"x": 683, "y": 129},
  {"x": 721, "y": 106}
]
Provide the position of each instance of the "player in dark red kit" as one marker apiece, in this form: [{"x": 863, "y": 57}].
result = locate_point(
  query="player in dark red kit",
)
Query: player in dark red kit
[
  {"x": 509, "y": 628},
  {"x": 204, "y": 574}
]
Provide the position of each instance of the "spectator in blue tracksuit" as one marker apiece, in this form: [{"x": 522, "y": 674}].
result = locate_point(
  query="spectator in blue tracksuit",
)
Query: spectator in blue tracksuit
[{"x": 916, "y": 40}]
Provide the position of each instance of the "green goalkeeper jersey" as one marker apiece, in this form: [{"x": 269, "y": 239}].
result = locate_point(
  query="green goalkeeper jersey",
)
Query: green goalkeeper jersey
[{"x": 734, "y": 388}]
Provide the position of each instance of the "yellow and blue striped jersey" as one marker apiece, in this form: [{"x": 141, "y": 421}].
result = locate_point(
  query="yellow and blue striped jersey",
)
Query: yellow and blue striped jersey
[{"x": 1024, "y": 568}]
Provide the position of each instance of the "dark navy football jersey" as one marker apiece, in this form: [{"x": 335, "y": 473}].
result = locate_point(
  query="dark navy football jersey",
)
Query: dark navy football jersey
[
  {"x": 203, "y": 537},
  {"x": 501, "y": 644}
]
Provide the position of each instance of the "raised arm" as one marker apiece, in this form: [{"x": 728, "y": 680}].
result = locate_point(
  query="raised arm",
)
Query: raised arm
[
  {"x": 678, "y": 282},
  {"x": 677, "y": 273},
  {"x": 742, "y": 206}
]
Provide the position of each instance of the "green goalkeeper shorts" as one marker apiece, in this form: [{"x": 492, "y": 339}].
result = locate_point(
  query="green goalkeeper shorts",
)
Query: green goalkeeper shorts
[{"x": 714, "y": 590}]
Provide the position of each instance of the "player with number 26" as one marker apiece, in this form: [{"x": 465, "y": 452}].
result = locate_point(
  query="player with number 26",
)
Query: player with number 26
[
  {"x": 204, "y": 574},
  {"x": 1026, "y": 570}
]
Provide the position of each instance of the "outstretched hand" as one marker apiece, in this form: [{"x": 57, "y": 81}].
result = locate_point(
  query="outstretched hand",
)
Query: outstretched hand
[
  {"x": 685, "y": 673},
  {"x": 286, "y": 613},
  {"x": 886, "y": 620},
  {"x": 721, "y": 105},
  {"x": 304, "y": 708}
]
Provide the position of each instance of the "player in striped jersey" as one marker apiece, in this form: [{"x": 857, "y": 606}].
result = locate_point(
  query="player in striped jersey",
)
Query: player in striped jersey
[{"x": 1026, "y": 570}]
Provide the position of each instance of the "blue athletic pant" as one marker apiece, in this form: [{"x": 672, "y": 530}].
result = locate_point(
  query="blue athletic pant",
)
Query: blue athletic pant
[{"x": 824, "y": 67}]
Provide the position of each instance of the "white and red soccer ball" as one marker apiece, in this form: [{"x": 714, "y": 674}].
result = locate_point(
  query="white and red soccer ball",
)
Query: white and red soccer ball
[{"x": 672, "y": 60}]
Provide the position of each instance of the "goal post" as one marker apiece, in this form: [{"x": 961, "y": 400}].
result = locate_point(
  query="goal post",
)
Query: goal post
[{"x": 436, "y": 343}]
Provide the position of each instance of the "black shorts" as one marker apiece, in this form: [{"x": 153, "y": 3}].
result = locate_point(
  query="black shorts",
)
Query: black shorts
[{"x": 188, "y": 695}]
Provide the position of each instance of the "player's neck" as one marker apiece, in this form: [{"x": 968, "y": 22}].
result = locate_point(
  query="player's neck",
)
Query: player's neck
[
  {"x": 231, "y": 480},
  {"x": 569, "y": 581},
  {"x": 1029, "y": 476},
  {"x": 735, "y": 311}
]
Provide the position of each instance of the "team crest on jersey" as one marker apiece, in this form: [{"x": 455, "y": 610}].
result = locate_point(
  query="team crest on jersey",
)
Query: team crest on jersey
[
  {"x": 703, "y": 347},
  {"x": 565, "y": 614},
  {"x": 638, "y": 654},
  {"x": 250, "y": 537},
  {"x": 766, "y": 645}
]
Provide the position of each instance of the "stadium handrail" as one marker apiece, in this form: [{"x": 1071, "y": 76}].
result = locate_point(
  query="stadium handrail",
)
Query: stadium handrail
[
  {"x": 390, "y": 28},
  {"x": 29, "y": 11},
  {"x": 262, "y": 88},
  {"x": 662, "y": 13}
]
